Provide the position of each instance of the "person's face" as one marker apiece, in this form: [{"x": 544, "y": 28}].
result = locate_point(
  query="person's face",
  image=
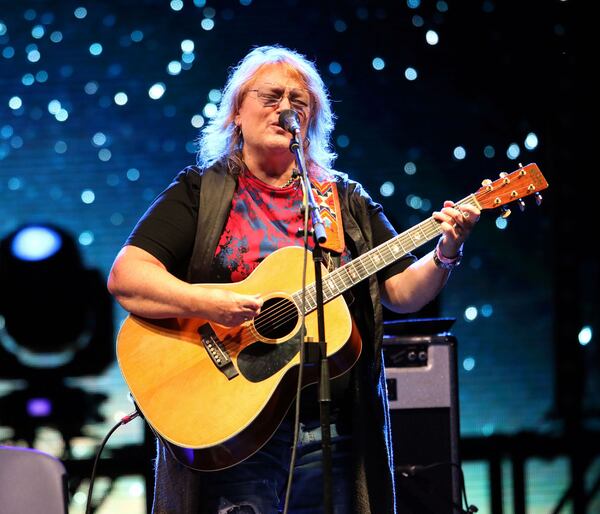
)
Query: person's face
[{"x": 258, "y": 116}]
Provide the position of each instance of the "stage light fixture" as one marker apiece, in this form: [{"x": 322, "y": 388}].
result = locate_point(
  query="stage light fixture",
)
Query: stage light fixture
[{"x": 55, "y": 314}]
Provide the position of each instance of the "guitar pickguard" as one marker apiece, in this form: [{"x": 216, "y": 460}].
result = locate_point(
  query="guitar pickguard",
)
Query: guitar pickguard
[{"x": 258, "y": 361}]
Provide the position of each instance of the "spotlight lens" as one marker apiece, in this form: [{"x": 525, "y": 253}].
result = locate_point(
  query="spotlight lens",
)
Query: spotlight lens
[{"x": 36, "y": 243}]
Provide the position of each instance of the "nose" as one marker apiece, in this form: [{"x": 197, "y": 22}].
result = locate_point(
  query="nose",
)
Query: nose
[{"x": 284, "y": 102}]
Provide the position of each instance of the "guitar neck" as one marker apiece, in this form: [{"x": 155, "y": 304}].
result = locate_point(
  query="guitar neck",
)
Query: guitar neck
[{"x": 343, "y": 278}]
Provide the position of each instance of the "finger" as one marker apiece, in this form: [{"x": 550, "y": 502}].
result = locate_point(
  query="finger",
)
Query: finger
[
  {"x": 455, "y": 214},
  {"x": 449, "y": 230}
]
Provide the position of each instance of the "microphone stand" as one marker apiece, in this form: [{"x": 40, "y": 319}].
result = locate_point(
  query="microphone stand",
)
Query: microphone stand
[{"x": 318, "y": 232}]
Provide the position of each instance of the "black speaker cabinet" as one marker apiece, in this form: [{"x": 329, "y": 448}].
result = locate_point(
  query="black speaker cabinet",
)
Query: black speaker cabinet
[{"x": 423, "y": 395}]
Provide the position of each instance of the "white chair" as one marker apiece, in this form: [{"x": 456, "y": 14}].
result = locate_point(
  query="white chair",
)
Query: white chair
[{"x": 31, "y": 482}]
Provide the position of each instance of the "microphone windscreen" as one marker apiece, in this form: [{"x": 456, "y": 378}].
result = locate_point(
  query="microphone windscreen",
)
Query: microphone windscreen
[{"x": 288, "y": 120}]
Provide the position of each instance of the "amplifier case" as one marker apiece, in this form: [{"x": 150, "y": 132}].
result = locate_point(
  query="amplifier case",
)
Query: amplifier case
[{"x": 421, "y": 373}]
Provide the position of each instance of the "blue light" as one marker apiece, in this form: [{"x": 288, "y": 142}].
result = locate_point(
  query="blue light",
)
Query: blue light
[
  {"x": 343, "y": 141},
  {"x": 513, "y": 151},
  {"x": 121, "y": 98},
  {"x": 6, "y": 131},
  {"x": 133, "y": 174},
  {"x": 88, "y": 196},
  {"x": 210, "y": 110},
  {"x": 99, "y": 139},
  {"x": 410, "y": 168},
  {"x": 34, "y": 56},
  {"x": 174, "y": 68},
  {"x": 340, "y": 26},
  {"x": 36, "y": 243},
  {"x": 410, "y": 74},
  {"x": 432, "y": 37},
  {"x": 15, "y": 103},
  {"x": 136, "y": 36},
  {"x": 156, "y": 90},
  {"x": 187, "y": 46},
  {"x": 501, "y": 223},
  {"x": 207, "y": 24},
  {"x": 56, "y": 36},
  {"x": 459, "y": 153},
  {"x": 489, "y": 151},
  {"x": 531, "y": 141},
  {"x": 471, "y": 313},
  {"x": 28, "y": 79},
  {"x": 335, "y": 67},
  {"x": 585, "y": 335},
  {"x": 86, "y": 238},
  {"x": 469, "y": 363},
  {"x": 80, "y": 13},
  {"x": 214, "y": 95},
  {"x": 37, "y": 32},
  {"x": 486, "y": 310},
  {"x": 378, "y": 63},
  {"x": 417, "y": 21},
  {"x": 197, "y": 121},
  {"x": 95, "y": 48},
  {"x": 387, "y": 189}
]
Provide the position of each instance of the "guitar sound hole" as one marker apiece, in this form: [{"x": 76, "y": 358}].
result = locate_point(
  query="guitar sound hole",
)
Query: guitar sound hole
[{"x": 277, "y": 318}]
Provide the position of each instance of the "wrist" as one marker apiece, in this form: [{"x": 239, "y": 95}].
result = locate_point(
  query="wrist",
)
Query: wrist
[{"x": 444, "y": 262}]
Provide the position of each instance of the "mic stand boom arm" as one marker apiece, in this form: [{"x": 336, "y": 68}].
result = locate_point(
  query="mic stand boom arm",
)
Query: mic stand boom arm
[{"x": 296, "y": 147}]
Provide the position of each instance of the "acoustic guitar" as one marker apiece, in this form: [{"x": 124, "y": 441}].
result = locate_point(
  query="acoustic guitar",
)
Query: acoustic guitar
[{"x": 214, "y": 394}]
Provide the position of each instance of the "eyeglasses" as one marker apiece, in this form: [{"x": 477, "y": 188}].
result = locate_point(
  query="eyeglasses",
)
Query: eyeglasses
[{"x": 271, "y": 95}]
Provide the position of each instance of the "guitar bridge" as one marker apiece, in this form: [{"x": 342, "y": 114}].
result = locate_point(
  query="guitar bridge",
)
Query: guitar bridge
[{"x": 217, "y": 352}]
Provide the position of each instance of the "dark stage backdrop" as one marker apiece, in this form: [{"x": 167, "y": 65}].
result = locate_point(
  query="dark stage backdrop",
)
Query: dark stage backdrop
[{"x": 101, "y": 103}]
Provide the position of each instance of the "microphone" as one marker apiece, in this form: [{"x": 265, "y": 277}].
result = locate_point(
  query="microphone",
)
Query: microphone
[{"x": 288, "y": 120}]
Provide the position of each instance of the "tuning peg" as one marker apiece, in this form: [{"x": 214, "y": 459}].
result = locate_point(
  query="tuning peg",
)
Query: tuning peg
[
  {"x": 505, "y": 212},
  {"x": 521, "y": 204},
  {"x": 538, "y": 198},
  {"x": 503, "y": 174},
  {"x": 487, "y": 183}
]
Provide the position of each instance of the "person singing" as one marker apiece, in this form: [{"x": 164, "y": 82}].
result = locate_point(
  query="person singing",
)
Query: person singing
[{"x": 215, "y": 223}]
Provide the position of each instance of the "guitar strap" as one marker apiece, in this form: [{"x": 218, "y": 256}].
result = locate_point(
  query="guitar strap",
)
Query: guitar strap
[{"x": 328, "y": 201}]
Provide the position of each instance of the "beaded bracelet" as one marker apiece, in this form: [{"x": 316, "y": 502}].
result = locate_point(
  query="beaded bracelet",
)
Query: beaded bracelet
[{"x": 443, "y": 262}]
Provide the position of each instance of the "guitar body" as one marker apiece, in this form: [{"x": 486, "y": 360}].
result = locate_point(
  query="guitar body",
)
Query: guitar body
[{"x": 213, "y": 414}]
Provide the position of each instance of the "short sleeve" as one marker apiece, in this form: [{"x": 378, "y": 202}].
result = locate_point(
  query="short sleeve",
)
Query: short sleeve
[{"x": 168, "y": 227}]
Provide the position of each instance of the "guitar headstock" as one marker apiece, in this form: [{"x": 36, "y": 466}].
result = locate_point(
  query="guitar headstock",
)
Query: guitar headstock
[{"x": 525, "y": 181}]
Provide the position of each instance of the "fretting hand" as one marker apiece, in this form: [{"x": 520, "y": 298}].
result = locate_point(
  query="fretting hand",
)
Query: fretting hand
[{"x": 456, "y": 223}]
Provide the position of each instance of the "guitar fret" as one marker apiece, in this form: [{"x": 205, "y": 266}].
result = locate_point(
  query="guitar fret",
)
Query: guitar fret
[
  {"x": 343, "y": 278},
  {"x": 351, "y": 271}
]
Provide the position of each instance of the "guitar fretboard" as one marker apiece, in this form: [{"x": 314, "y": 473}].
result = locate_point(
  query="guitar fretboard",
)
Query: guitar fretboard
[{"x": 369, "y": 263}]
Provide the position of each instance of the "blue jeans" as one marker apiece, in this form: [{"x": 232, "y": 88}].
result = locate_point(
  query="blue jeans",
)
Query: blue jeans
[{"x": 258, "y": 484}]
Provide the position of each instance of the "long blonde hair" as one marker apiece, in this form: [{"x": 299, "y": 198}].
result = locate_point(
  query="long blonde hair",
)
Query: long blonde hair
[{"x": 220, "y": 141}]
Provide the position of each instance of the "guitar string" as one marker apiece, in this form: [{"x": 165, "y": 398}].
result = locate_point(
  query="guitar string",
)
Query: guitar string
[{"x": 285, "y": 314}]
